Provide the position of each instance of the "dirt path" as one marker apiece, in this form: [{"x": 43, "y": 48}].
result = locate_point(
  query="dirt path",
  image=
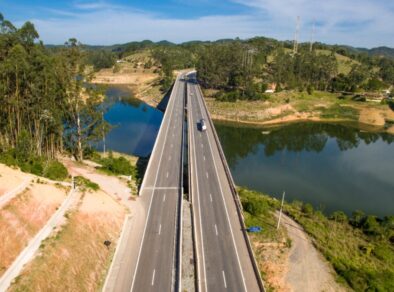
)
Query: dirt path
[{"x": 307, "y": 269}]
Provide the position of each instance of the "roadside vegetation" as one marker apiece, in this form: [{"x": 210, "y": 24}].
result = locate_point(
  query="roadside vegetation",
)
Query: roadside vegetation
[
  {"x": 46, "y": 109},
  {"x": 75, "y": 257},
  {"x": 24, "y": 216},
  {"x": 359, "y": 248}
]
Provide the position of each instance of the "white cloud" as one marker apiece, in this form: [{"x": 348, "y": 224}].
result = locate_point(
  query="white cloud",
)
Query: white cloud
[
  {"x": 357, "y": 22},
  {"x": 111, "y": 26},
  {"x": 354, "y": 22}
]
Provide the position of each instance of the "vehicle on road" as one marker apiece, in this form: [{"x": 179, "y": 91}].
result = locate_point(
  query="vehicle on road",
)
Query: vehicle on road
[{"x": 203, "y": 126}]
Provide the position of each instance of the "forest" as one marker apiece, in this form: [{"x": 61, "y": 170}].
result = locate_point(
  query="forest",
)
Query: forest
[{"x": 47, "y": 108}]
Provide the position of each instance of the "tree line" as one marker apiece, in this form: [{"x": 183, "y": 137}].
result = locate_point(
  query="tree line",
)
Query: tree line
[{"x": 46, "y": 106}]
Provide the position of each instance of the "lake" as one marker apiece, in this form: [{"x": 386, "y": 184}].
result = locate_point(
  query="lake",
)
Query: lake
[
  {"x": 135, "y": 124},
  {"x": 333, "y": 167}
]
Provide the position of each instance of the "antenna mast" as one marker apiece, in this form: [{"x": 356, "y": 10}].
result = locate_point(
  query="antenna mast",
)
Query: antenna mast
[
  {"x": 295, "y": 48},
  {"x": 312, "y": 36}
]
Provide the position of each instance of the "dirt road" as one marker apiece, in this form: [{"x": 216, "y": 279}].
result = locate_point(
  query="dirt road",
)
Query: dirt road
[{"x": 307, "y": 269}]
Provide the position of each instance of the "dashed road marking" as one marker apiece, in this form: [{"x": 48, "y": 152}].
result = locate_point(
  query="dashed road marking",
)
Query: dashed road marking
[
  {"x": 153, "y": 277},
  {"x": 167, "y": 174},
  {"x": 206, "y": 174},
  {"x": 210, "y": 196},
  {"x": 159, "y": 229},
  {"x": 224, "y": 279},
  {"x": 216, "y": 230},
  {"x": 164, "y": 198}
]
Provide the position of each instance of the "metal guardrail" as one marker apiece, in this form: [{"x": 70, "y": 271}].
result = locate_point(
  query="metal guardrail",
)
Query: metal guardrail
[{"x": 235, "y": 197}]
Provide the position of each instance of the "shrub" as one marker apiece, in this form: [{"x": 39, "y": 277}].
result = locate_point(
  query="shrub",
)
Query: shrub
[
  {"x": 117, "y": 166},
  {"x": 86, "y": 184},
  {"x": 338, "y": 216},
  {"x": 55, "y": 170},
  {"x": 254, "y": 207},
  {"x": 307, "y": 209},
  {"x": 8, "y": 158}
]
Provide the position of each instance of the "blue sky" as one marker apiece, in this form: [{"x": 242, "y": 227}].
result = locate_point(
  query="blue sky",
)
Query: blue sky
[{"x": 364, "y": 23}]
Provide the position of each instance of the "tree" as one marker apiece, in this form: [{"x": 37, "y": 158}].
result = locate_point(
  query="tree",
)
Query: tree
[{"x": 84, "y": 121}]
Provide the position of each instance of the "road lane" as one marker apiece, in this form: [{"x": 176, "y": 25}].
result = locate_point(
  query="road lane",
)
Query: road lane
[
  {"x": 156, "y": 265},
  {"x": 223, "y": 258},
  {"x": 147, "y": 260}
]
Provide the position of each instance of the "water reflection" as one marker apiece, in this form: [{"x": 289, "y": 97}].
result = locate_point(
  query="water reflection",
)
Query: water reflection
[
  {"x": 335, "y": 167},
  {"x": 135, "y": 124}
]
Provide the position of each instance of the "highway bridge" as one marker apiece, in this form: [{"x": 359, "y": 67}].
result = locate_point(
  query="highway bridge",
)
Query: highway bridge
[{"x": 149, "y": 258}]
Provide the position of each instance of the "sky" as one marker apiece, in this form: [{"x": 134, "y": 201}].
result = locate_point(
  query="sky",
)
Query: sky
[{"x": 360, "y": 23}]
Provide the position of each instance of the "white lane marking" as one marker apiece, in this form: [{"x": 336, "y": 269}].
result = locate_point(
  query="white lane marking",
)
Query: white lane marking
[
  {"x": 204, "y": 278},
  {"x": 224, "y": 279},
  {"x": 167, "y": 174},
  {"x": 169, "y": 158},
  {"x": 164, "y": 198},
  {"x": 206, "y": 173},
  {"x": 210, "y": 196},
  {"x": 153, "y": 277},
  {"x": 161, "y": 188},
  {"x": 224, "y": 203},
  {"x": 159, "y": 229},
  {"x": 204, "y": 157},
  {"x": 150, "y": 204},
  {"x": 173, "y": 134},
  {"x": 216, "y": 229}
]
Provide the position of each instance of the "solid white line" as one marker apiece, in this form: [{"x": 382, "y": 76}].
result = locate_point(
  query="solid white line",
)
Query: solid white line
[
  {"x": 150, "y": 204},
  {"x": 210, "y": 196},
  {"x": 199, "y": 210},
  {"x": 164, "y": 198},
  {"x": 153, "y": 277},
  {"x": 159, "y": 229},
  {"x": 224, "y": 202},
  {"x": 224, "y": 279},
  {"x": 162, "y": 188},
  {"x": 216, "y": 229}
]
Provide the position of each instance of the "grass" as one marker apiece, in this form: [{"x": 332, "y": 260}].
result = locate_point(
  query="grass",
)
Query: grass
[
  {"x": 20, "y": 220},
  {"x": 360, "y": 249},
  {"x": 51, "y": 169},
  {"x": 336, "y": 111},
  {"x": 85, "y": 184},
  {"x": 75, "y": 258},
  {"x": 363, "y": 260},
  {"x": 259, "y": 211}
]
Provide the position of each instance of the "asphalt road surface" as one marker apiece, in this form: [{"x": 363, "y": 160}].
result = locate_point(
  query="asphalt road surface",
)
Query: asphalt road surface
[
  {"x": 151, "y": 265},
  {"x": 224, "y": 263}
]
